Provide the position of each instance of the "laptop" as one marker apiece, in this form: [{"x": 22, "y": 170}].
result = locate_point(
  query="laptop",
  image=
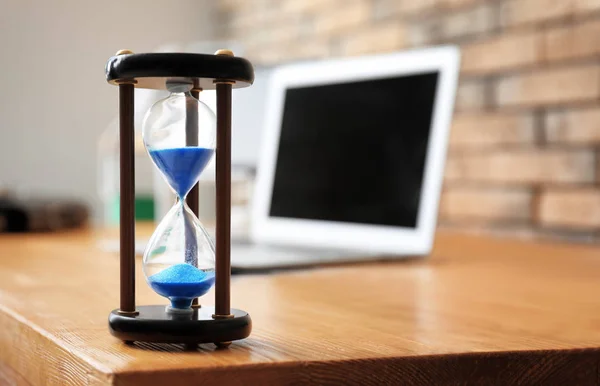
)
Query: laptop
[{"x": 352, "y": 160}]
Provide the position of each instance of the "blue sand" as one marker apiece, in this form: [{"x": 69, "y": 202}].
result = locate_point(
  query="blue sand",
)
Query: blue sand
[
  {"x": 182, "y": 166},
  {"x": 181, "y": 283}
]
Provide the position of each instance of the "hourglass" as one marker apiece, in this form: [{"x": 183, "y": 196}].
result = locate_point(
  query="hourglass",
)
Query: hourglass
[{"x": 181, "y": 136}]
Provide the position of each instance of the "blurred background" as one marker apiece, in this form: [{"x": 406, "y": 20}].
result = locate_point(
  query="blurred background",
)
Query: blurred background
[{"x": 525, "y": 138}]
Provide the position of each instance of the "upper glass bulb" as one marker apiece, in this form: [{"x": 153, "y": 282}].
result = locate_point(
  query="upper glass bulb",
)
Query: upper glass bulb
[{"x": 179, "y": 134}]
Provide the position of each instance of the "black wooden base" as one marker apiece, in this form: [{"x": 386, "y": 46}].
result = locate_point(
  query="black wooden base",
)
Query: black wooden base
[{"x": 154, "y": 324}]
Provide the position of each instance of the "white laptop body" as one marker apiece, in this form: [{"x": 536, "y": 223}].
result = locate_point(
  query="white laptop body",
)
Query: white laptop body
[{"x": 352, "y": 159}]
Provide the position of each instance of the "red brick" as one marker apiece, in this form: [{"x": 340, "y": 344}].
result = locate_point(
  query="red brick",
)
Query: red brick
[
  {"x": 584, "y": 6},
  {"x": 281, "y": 36},
  {"x": 526, "y": 11},
  {"x": 450, "y": 4},
  {"x": 422, "y": 32},
  {"x": 487, "y": 204},
  {"x": 266, "y": 56},
  {"x": 340, "y": 19},
  {"x": 406, "y": 7},
  {"x": 472, "y": 21},
  {"x": 380, "y": 38},
  {"x": 293, "y": 6},
  {"x": 501, "y": 53},
  {"x": 389, "y": 8},
  {"x": 479, "y": 130},
  {"x": 547, "y": 87},
  {"x": 312, "y": 50},
  {"x": 581, "y": 126},
  {"x": 526, "y": 166},
  {"x": 573, "y": 41},
  {"x": 478, "y": 228},
  {"x": 571, "y": 208},
  {"x": 471, "y": 95}
]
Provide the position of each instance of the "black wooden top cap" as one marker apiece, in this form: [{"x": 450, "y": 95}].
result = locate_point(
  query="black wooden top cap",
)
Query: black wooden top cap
[{"x": 153, "y": 70}]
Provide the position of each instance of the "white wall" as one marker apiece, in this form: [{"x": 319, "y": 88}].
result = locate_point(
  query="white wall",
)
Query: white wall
[{"x": 54, "y": 100}]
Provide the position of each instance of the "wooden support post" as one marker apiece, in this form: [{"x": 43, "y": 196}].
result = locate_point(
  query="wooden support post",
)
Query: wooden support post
[
  {"x": 223, "y": 204},
  {"x": 127, "y": 198}
]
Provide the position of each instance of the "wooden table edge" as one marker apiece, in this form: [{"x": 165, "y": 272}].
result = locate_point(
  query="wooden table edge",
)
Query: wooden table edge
[
  {"x": 579, "y": 365},
  {"x": 31, "y": 338}
]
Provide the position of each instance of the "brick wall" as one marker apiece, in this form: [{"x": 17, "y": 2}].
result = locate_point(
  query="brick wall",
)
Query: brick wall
[{"x": 526, "y": 133}]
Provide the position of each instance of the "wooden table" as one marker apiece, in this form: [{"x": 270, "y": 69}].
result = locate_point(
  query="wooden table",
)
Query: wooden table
[{"x": 479, "y": 310}]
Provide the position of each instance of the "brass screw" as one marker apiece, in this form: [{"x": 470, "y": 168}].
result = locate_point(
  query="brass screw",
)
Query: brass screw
[
  {"x": 230, "y": 316},
  {"x": 124, "y": 52},
  {"x": 128, "y": 313},
  {"x": 224, "y": 52}
]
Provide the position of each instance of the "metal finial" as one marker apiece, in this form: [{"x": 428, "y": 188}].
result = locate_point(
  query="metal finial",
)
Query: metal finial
[{"x": 224, "y": 52}]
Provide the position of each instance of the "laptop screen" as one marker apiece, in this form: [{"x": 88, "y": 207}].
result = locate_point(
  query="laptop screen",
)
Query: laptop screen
[{"x": 354, "y": 152}]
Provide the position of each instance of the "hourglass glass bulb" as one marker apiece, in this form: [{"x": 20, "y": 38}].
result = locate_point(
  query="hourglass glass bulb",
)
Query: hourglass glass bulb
[{"x": 179, "y": 134}]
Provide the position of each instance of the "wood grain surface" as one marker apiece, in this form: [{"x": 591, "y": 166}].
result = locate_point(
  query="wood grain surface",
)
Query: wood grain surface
[{"x": 479, "y": 311}]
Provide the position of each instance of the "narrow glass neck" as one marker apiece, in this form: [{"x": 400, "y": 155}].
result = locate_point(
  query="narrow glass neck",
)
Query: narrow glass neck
[
  {"x": 180, "y": 94},
  {"x": 179, "y": 87}
]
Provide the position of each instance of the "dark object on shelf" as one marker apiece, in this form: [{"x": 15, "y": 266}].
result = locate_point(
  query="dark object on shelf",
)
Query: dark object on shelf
[{"x": 41, "y": 215}]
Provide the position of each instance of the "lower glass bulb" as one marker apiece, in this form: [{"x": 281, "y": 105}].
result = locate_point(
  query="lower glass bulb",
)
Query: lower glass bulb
[{"x": 179, "y": 261}]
